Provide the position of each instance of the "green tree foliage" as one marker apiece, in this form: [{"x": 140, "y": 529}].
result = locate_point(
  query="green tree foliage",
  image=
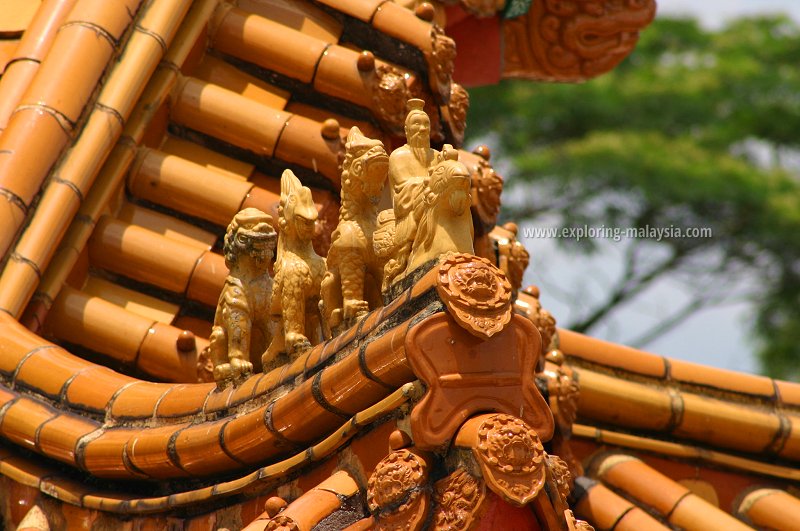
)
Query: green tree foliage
[{"x": 696, "y": 128}]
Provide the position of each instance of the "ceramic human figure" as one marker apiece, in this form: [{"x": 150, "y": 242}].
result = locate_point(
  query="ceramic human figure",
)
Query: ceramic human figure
[
  {"x": 352, "y": 285},
  {"x": 444, "y": 218},
  {"x": 298, "y": 274},
  {"x": 241, "y": 323},
  {"x": 408, "y": 169}
]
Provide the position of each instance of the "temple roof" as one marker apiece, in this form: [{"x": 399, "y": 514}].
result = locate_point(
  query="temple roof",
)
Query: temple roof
[{"x": 132, "y": 132}]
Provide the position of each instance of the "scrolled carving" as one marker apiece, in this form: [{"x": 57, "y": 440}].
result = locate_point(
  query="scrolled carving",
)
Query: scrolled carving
[
  {"x": 442, "y": 58},
  {"x": 282, "y": 523},
  {"x": 543, "y": 320},
  {"x": 513, "y": 256},
  {"x": 564, "y": 393},
  {"x": 573, "y": 41},
  {"x": 457, "y": 497},
  {"x": 396, "y": 482},
  {"x": 457, "y": 109},
  {"x": 477, "y": 294},
  {"x": 561, "y": 475},
  {"x": 487, "y": 186},
  {"x": 390, "y": 94},
  {"x": 512, "y": 458}
]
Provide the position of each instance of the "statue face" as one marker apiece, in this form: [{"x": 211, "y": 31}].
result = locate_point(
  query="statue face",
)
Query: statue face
[
  {"x": 257, "y": 244},
  {"x": 305, "y": 227},
  {"x": 418, "y": 130}
]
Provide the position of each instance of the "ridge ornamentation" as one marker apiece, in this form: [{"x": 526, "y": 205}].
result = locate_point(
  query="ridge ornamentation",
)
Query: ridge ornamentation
[
  {"x": 457, "y": 499},
  {"x": 511, "y": 457},
  {"x": 477, "y": 294}
]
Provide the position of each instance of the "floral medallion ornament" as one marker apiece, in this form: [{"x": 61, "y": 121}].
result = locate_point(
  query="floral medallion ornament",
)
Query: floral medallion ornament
[
  {"x": 511, "y": 457},
  {"x": 477, "y": 294},
  {"x": 458, "y": 497},
  {"x": 396, "y": 483}
]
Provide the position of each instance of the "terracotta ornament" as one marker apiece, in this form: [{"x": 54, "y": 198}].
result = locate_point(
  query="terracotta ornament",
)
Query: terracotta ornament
[
  {"x": 298, "y": 274},
  {"x": 443, "y": 56},
  {"x": 476, "y": 294},
  {"x": 458, "y": 498},
  {"x": 466, "y": 375},
  {"x": 352, "y": 285},
  {"x": 241, "y": 323},
  {"x": 395, "y": 491},
  {"x": 455, "y": 113},
  {"x": 487, "y": 185},
  {"x": 572, "y": 41},
  {"x": 389, "y": 95},
  {"x": 528, "y": 302}
]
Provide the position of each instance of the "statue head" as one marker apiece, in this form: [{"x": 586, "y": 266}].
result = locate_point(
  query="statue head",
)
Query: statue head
[
  {"x": 418, "y": 124},
  {"x": 250, "y": 234},
  {"x": 365, "y": 167},
  {"x": 297, "y": 212},
  {"x": 449, "y": 179}
]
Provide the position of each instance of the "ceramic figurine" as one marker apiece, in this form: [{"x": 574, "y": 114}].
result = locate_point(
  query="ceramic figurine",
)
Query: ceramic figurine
[
  {"x": 352, "y": 285},
  {"x": 444, "y": 218},
  {"x": 408, "y": 170},
  {"x": 298, "y": 274},
  {"x": 240, "y": 333}
]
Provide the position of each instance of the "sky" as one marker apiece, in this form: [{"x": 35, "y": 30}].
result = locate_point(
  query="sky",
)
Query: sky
[
  {"x": 713, "y": 13},
  {"x": 718, "y": 337}
]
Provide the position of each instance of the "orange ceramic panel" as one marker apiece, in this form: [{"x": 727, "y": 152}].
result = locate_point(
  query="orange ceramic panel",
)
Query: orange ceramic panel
[
  {"x": 465, "y": 376},
  {"x": 103, "y": 456},
  {"x": 727, "y": 425},
  {"x": 59, "y": 437},
  {"x": 611, "y": 354},
  {"x": 183, "y": 400},
  {"x": 138, "y": 400},
  {"x": 22, "y": 420},
  {"x": 268, "y": 44},
  {"x": 693, "y": 373},
  {"x": 199, "y": 450},
  {"x": 148, "y": 451},
  {"x": 93, "y": 389},
  {"x": 48, "y": 370},
  {"x": 611, "y": 399},
  {"x": 300, "y": 418},
  {"x": 248, "y": 439}
]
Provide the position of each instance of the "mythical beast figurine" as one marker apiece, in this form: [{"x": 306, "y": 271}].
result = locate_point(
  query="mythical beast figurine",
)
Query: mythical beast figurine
[
  {"x": 444, "y": 218},
  {"x": 352, "y": 285},
  {"x": 298, "y": 274},
  {"x": 241, "y": 323}
]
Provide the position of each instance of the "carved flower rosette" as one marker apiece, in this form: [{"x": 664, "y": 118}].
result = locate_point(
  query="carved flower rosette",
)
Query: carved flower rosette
[
  {"x": 511, "y": 457},
  {"x": 396, "y": 483},
  {"x": 477, "y": 294}
]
